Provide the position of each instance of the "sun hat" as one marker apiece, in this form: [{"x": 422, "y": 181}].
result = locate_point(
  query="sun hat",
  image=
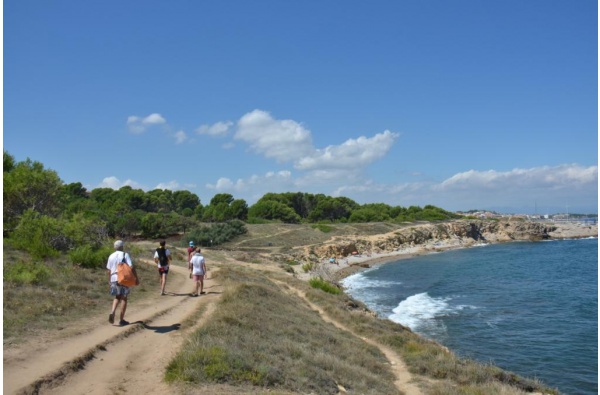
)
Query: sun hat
[
  {"x": 119, "y": 244},
  {"x": 191, "y": 243}
]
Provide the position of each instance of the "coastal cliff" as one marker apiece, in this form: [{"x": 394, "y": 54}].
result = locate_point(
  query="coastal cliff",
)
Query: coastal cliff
[{"x": 430, "y": 237}]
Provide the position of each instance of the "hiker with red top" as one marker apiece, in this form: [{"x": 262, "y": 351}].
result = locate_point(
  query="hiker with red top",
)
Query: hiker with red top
[
  {"x": 120, "y": 292},
  {"x": 162, "y": 258},
  {"x": 190, "y": 250}
]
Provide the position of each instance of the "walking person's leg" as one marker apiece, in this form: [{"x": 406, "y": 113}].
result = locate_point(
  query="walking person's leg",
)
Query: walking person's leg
[
  {"x": 163, "y": 282},
  {"x": 201, "y": 284},
  {"x": 115, "y": 305},
  {"x": 123, "y": 309}
]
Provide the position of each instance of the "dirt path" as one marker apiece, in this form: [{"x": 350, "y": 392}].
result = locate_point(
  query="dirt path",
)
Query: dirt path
[
  {"x": 404, "y": 380},
  {"x": 105, "y": 358},
  {"x": 100, "y": 358}
]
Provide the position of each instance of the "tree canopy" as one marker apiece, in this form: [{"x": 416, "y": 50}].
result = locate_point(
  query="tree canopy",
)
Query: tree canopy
[{"x": 71, "y": 215}]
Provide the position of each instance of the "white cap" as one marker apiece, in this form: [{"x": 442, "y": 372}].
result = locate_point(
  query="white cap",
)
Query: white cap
[{"x": 119, "y": 244}]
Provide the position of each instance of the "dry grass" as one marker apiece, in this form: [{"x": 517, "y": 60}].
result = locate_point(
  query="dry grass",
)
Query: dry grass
[
  {"x": 62, "y": 295},
  {"x": 261, "y": 337},
  {"x": 424, "y": 357}
]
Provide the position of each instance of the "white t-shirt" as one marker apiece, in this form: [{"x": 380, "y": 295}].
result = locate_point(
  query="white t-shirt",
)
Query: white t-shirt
[
  {"x": 198, "y": 265},
  {"x": 157, "y": 257},
  {"x": 113, "y": 260}
]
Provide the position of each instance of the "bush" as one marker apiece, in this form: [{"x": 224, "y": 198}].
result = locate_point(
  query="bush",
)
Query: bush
[
  {"x": 88, "y": 257},
  {"x": 37, "y": 234},
  {"x": 218, "y": 233},
  {"x": 21, "y": 273},
  {"x": 319, "y": 283},
  {"x": 323, "y": 228}
]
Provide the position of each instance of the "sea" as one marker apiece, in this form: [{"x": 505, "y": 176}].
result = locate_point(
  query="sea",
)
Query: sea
[{"x": 527, "y": 307}]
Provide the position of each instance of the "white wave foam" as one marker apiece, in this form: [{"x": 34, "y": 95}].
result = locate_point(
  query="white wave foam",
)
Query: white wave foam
[
  {"x": 359, "y": 282},
  {"x": 419, "y": 311}
]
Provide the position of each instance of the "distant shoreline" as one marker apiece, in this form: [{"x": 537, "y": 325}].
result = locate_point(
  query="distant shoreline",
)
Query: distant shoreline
[{"x": 350, "y": 265}]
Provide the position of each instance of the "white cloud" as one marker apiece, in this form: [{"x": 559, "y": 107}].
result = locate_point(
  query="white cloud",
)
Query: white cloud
[
  {"x": 114, "y": 183},
  {"x": 550, "y": 188},
  {"x": 171, "y": 185},
  {"x": 153, "y": 119},
  {"x": 353, "y": 153},
  {"x": 282, "y": 140},
  {"x": 180, "y": 137},
  {"x": 571, "y": 176},
  {"x": 139, "y": 125},
  {"x": 255, "y": 185},
  {"x": 217, "y": 129}
]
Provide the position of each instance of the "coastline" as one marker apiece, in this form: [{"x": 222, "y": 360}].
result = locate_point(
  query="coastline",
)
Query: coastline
[{"x": 347, "y": 266}]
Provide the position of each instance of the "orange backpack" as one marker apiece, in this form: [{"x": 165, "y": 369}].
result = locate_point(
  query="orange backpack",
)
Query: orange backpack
[{"x": 126, "y": 274}]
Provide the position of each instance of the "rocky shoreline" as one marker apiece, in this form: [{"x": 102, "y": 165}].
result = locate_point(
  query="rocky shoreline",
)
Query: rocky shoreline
[{"x": 352, "y": 254}]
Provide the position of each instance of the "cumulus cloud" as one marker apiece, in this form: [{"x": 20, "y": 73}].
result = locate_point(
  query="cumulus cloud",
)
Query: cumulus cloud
[
  {"x": 217, "y": 129},
  {"x": 171, "y": 185},
  {"x": 269, "y": 182},
  {"x": 546, "y": 177},
  {"x": 353, "y": 153},
  {"x": 139, "y": 125},
  {"x": 282, "y": 140},
  {"x": 114, "y": 183},
  {"x": 180, "y": 137}
]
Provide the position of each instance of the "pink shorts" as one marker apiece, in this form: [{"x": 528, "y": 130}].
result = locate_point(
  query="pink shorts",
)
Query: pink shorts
[{"x": 197, "y": 277}]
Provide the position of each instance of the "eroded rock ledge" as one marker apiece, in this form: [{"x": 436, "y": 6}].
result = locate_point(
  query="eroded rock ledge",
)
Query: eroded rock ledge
[{"x": 448, "y": 235}]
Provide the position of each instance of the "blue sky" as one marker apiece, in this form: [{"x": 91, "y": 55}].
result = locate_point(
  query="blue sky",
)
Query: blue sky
[{"x": 463, "y": 104}]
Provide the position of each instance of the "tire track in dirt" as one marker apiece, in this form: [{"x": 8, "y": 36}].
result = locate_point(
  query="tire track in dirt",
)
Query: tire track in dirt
[
  {"x": 404, "y": 380},
  {"x": 112, "y": 359}
]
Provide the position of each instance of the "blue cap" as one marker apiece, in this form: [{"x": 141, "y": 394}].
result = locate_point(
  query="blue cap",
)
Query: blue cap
[{"x": 191, "y": 243}]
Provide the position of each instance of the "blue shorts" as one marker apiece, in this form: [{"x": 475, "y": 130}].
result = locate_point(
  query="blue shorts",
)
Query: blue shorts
[{"x": 118, "y": 290}]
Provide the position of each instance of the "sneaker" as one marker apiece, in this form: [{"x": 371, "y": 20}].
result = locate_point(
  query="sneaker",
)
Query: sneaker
[
  {"x": 202, "y": 293},
  {"x": 111, "y": 318},
  {"x": 123, "y": 323}
]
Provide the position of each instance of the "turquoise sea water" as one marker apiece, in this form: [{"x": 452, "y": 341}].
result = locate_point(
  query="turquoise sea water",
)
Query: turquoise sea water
[{"x": 528, "y": 307}]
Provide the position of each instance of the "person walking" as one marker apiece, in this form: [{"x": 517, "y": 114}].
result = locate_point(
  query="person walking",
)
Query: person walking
[
  {"x": 120, "y": 292},
  {"x": 190, "y": 250},
  {"x": 197, "y": 266},
  {"x": 162, "y": 258}
]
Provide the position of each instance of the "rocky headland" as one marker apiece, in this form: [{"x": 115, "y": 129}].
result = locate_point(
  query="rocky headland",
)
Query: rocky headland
[{"x": 363, "y": 251}]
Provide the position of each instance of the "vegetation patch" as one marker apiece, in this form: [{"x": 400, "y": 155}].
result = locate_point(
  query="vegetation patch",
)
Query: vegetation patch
[
  {"x": 319, "y": 283},
  {"x": 425, "y": 357},
  {"x": 323, "y": 227},
  {"x": 263, "y": 337},
  {"x": 46, "y": 295}
]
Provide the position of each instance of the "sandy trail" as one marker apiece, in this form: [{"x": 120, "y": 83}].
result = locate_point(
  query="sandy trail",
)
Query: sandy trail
[
  {"x": 105, "y": 358},
  {"x": 101, "y": 358},
  {"x": 404, "y": 380}
]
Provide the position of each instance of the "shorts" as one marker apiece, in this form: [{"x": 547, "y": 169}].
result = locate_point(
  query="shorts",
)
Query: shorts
[
  {"x": 118, "y": 290},
  {"x": 163, "y": 270},
  {"x": 197, "y": 277}
]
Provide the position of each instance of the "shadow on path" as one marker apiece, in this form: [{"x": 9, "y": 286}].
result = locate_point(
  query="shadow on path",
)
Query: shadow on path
[{"x": 160, "y": 329}]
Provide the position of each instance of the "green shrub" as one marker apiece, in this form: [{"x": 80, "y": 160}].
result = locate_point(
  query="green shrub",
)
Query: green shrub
[
  {"x": 319, "y": 283},
  {"x": 26, "y": 273},
  {"x": 218, "y": 233},
  {"x": 37, "y": 234},
  {"x": 307, "y": 267},
  {"x": 86, "y": 256},
  {"x": 323, "y": 228}
]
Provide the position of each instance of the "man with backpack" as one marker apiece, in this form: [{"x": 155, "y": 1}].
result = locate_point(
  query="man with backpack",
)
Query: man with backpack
[
  {"x": 120, "y": 292},
  {"x": 162, "y": 257}
]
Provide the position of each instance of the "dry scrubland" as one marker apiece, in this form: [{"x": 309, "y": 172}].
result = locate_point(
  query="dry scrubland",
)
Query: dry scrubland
[{"x": 260, "y": 329}]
